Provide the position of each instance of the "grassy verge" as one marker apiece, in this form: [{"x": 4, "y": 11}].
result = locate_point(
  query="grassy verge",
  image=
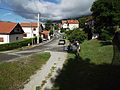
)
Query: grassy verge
[
  {"x": 13, "y": 75},
  {"x": 97, "y": 51},
  {"x": 92, "y": 71}
]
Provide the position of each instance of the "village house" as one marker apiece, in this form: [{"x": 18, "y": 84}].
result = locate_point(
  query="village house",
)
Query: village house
[
  {"x": 31, "y": 29},
  {"x": 10, "y": 32},
  {"x": 45, "y": 35},
  {"x": 73, "y": 24},
  {"x": 70, "y": 24},
  {"x": 64, "y": 24}
]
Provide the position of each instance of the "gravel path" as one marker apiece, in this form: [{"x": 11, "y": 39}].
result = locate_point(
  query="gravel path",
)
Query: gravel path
[{"x": 44, "y": 78}]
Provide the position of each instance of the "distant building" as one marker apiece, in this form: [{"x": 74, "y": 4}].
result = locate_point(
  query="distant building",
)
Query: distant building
[
  {"x": 45, "y": 34},
  {"x": 31, "y": 29},
  {"x": 10, "y": 32},
  {"x": 70, "y": 24},
  {"x": 73, "y": 24},
  {"x": 64, "y": 24}
]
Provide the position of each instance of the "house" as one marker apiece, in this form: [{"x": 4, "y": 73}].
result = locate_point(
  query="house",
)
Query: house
[
  {"x": 31, "y": 29},
  {"x": 64, "y": 24},
  {"x": 73, "y": 24},
  {"x": 45, "y": 34},
  {"x": 10, "y": 32},
  {"x": 70, "y": 24}
]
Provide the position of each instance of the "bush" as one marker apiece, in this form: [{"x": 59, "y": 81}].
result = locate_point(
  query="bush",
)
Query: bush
[
  {"x": 14, "y": 45},
  {"x": 106, "y": 34},
  {"x": 76, "y": 35},
  {"x": 63, "y": 30}
]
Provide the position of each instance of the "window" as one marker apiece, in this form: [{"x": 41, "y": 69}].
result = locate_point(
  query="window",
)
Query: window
[
  {"x": 1, "y": 39},
  {"x": 34, "y": 29},
  {"x": 24, "y": 35},
  {"x": 17, "y": 38},
  {"x": 34, "y": 34}
]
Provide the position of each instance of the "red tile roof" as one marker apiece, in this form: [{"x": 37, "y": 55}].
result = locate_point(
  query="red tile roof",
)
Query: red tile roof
[
  {"x": 28, "y": 24},
  {"x": 73, "y": 21},
  {"x": 7, "y": 27},
  {"x": 45, "y": 32}
]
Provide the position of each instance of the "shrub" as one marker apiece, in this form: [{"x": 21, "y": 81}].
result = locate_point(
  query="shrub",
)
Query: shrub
[
  {"x": 14, "y": 45},
  {"x": 106, "y": 34},
  {"x": 76, "y": 35}
]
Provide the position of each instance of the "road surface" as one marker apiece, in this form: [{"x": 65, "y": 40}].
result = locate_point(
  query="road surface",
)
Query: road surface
[{"x": 51, "y": 46}]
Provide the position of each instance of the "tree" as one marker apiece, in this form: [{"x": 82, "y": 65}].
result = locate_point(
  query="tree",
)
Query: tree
[
  {"x": 76, "y": 35},
  {"x": 48, "y": 24},
  {"x": 82, "y": 21},
  {"x": 106, "y": 14}
]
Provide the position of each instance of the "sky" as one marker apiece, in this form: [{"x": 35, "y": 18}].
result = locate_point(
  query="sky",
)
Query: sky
[{"x": 27, "y": 10}]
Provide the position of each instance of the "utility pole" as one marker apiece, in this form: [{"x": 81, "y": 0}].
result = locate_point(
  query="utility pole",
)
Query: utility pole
[
  {"x": 38, "y": 29},
  {"x": 32, "y": 36}
]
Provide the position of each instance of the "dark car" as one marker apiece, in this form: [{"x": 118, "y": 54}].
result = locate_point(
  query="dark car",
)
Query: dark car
[{"x": 61, "y": 42}]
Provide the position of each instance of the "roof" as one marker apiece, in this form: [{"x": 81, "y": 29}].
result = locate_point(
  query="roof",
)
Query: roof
[
  {"x": 45, "y": 32},
  {"x": 73, "y": 21},
  {"x": 29, "y": 24},
  {"x": 7, "y": 27}
]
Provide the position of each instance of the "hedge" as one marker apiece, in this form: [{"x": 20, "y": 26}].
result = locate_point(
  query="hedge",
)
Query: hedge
[{"x": 14, "y": 45}]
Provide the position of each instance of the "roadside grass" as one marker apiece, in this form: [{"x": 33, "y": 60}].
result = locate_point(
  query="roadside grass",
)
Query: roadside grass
[
  {"x": 91, "y": 71},
  {"x": 13, "y": 75},
  {"x": 97, "y": 51}
]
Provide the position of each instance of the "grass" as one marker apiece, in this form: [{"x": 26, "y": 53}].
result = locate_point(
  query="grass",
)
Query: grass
[
  {"x": 91, "y": 71},
  {"x": 13, "y": 75},
  {"x": 98, "y": 52}
]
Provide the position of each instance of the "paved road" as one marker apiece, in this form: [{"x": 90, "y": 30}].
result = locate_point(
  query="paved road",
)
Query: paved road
[{"x": 51, "y": 46}]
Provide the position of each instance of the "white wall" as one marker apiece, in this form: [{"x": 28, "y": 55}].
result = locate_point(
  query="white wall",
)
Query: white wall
[
  {"x": 11, "y": 38},
  {"x": 65, "y": 25},
  {"x": 30, "y": 32},
  {"x": 73, "y": 26},
  {"x": 5, "y": 38}
]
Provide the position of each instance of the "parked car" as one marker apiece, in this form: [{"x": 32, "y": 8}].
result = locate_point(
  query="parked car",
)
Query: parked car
[{"x": 61, "y": 42}]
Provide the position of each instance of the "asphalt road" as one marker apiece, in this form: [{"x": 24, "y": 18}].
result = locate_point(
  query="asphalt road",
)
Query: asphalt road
[{"x": 50, "y": 46}]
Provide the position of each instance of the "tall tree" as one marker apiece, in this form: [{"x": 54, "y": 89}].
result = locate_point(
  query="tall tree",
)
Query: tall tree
[
  {"x": 48, "y": 25},
  {"x": 106, "y": 14}
]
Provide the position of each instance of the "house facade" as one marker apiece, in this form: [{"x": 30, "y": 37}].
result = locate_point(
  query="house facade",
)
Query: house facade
[
  {"x": 64, "y": 24},
  {"x": 45, "y": 35},
  {"x": 10, "y": 32},
  {"x": 73, "y": 24},
  {"x": 70, "y": 24},
  {"x": 31, "y": 29}
]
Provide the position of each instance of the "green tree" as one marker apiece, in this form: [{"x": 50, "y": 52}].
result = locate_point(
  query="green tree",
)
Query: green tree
[
  {"x": 76, "y": 35},
  {"x": 48, "y": 25},
  {"x": 82, "y": 21},
  {"x": 106, "y": 14}
]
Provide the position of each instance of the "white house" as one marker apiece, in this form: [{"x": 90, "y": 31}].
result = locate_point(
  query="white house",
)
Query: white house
[
  {"x": 31, "y": 29},
  {"x": 73, "y": 24},
  {"x": 64, "y": 24},
  {"x": 70, "y": 24},
  {"x": 10, "y": 32}
]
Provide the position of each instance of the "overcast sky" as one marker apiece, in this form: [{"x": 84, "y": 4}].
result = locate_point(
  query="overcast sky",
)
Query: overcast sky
[{"x": 49, "y": 9}]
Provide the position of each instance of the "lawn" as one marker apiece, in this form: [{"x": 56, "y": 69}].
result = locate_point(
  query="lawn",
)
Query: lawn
[
  {"x": 91, "y": 71},
  {"x": 97, "y": 51},
  {"x": 13, "y": 75}
]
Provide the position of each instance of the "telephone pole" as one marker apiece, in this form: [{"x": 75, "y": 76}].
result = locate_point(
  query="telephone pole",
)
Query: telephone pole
[{"x": 38, "y": 29}]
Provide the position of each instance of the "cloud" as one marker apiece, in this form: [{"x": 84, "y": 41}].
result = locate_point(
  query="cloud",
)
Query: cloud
[{"x": 50, "y": 9}]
